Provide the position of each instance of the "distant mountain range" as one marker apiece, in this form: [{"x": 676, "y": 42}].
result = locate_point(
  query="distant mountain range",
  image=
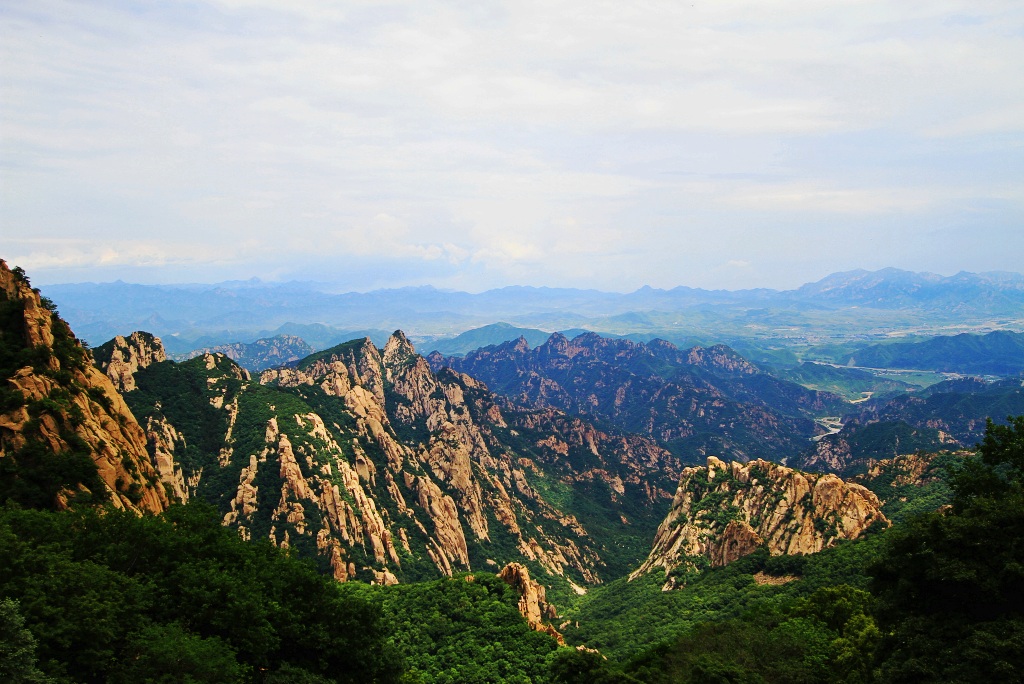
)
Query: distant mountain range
[
  {"x": 207, "y": 315},
  {"x": 997, "y": 353}
]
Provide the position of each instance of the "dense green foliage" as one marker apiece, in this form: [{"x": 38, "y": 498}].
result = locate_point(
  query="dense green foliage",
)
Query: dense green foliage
[
  {"x": 462, "y": 630},
  {"x": 623, "y": 618},
  {"x": 110, "y": 596},
  {"x": 997, "y": 353},
  {"x": 904, "y": 497},
  {"x": 949, "y": 585}
]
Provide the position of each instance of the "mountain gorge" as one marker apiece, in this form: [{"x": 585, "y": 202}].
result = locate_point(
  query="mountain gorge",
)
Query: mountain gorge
[
  {"x": 368, "y": 460},
  {"x": 442, "y": 498}
]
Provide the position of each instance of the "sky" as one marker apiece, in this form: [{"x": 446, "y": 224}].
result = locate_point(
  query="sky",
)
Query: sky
[{"x": 471, "y": 145}]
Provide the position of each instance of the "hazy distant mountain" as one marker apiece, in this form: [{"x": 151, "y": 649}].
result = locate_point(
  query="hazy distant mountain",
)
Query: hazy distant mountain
[
  {"x": 259, "y": 355},
  {"x": 492, "y": 334},
  {"x": 997, "y": 353},
  {"x": 893, "y": 288},
  {"x": 244, "y": 311}
]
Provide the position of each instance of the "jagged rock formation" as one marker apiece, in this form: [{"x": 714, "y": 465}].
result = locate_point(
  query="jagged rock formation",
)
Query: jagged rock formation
[
  {"x": 533, "y": 603},
  {"x": 121, "y": 358},
  {"x": 722, "y": 512},
  {"x": 695, "y": 401},
  {"x": 65, "y": 432},
  {"x": 259, "y": 355},
  {"x": 856, "y": 445},
  {"x": 384, "y": 470}
]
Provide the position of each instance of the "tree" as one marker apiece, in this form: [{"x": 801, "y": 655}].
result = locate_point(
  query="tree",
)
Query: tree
[
  {"x": 948, "y": 583},
  {"x": 17, "y": 648}
]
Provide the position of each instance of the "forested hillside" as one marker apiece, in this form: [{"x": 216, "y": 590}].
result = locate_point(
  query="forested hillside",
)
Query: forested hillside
[{"x": 345, "y": 519}]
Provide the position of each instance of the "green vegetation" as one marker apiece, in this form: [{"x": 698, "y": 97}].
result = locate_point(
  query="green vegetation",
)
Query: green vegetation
[
  {"x": 902, "y": 499},
  {"x": 624, "y": 618},
  {"x": 949, "y": 585},
  {"x": 934, "y": 599},
  {"x": 997, "y": 353},
  {"x": 852, "y": 384},
  {"x": 460, "y": 630},
  {"x": 109, "y": 596}
]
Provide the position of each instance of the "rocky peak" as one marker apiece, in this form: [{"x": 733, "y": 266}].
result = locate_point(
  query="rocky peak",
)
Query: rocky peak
[
  {"x": 722, "y": 358},
  {"x": 723, "y": 511},
  {"x": 533, "y": 603},
  {"x": 398, "y": 349},
  {"x": 55, "y": 402},
  {"x": 556, "y": 344},
  {"x": 122, "y": 357}
]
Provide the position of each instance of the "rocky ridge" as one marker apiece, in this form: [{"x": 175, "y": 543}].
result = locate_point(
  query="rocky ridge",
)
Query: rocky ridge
[
  {"x": 384, "y": 470},
  {"x": 722, "y": 512},
  {"x": 122, "y": 357},
  {"x": 65, "y": 432},
  {"x": 695, "y": 401}
]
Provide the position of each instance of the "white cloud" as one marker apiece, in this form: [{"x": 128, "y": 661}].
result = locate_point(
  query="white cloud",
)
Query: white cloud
[{"x": 529, "y": 140}]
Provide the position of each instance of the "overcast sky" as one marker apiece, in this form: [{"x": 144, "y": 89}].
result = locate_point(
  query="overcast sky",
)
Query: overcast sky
[{"x": 719, "y": 144}]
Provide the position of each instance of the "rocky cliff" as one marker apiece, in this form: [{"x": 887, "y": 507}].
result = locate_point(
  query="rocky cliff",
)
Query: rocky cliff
[
  {"x": 533, "y": 603},
  {"x": 695, "y": 401},
  {"x": 122, "y": 357},
  {"x": 384, "y": 470},
  {"x": 65, "y": 433},
  {"x": 722, "y": 512}
]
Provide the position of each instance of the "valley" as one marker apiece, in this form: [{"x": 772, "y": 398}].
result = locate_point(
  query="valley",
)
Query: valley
[{"x": 628, "y": 497}]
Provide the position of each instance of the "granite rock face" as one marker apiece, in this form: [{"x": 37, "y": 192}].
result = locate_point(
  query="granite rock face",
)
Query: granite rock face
[
  {"x": 533, "y": 603},
  {"x": 723, "y": 511},
  {"x": 123, "y": 357},
  {"x": 60, "y": 404},
  {"x": 385, "y": 470}
]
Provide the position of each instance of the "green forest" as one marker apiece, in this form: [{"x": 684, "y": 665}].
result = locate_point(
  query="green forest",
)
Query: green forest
[{"x": 98, "y": 595}]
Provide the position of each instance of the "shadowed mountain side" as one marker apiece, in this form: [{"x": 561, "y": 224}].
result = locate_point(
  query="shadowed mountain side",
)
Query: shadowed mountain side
[{"x": 696, "y": 402}]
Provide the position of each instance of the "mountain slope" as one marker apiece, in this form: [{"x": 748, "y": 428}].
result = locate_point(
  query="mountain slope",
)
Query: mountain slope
[
  {"x": 696, "y": 402},
  {"x": 65, "y": 433},
  {"x": 383, "y": 470},
  {"x": 997, "y": 353}
]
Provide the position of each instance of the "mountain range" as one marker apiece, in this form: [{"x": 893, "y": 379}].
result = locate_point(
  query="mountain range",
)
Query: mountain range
[
  {"x": 851, "y": 303},
  {"x": 483, "y": 510}
]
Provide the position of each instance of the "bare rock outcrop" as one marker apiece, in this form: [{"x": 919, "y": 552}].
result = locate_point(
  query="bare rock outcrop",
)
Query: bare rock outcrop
[
  {"x": 533, "y": 603},
  {"x": 722, "y": 512},
  {"x": 123, "y": 357},
  {"x": 63, "y": 404}
]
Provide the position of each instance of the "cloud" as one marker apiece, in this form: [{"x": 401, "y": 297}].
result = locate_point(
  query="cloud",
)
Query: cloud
[{"x": 610, "y": 143}]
